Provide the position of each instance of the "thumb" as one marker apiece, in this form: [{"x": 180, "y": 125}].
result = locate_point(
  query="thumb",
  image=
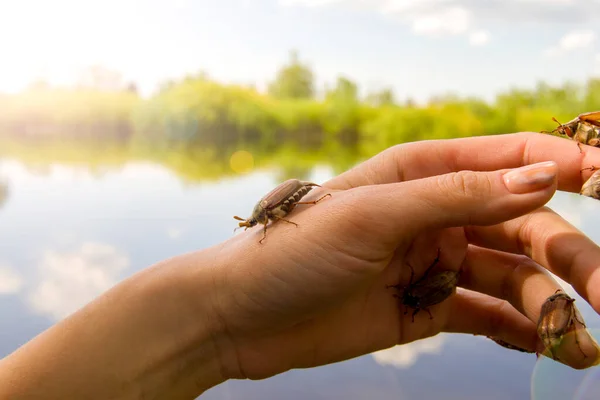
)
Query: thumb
[{"x": 465, "y": 197}]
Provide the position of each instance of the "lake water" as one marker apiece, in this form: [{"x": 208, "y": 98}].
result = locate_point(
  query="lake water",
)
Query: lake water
[{"x": 68, "y": 233}]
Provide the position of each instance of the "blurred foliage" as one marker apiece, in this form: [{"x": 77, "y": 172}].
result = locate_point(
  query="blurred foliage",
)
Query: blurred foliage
[
  {"x": 381, "y": 98},
  {"x": 41, "y": 112},
  {"x": 293, "y": 81},
  {"x": 195, "y": 124}
]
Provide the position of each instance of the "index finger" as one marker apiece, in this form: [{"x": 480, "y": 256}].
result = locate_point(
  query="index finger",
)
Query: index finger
[{"x": 426, "y": 158}]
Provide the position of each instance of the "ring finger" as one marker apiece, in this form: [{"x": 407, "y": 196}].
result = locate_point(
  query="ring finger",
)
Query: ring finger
[{"x": 524, "y": 285}]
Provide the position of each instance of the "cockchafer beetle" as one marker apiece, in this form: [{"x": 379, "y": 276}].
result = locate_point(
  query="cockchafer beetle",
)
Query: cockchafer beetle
[
  {"x": 584, "y": 129},
  {"x": 557, "y": 318},
  {"x": 428, "y": 290},
  {"x": 591, "y": 187},
  {"x": 278, "y": 203},
  {"x": 509, "y": 346}
]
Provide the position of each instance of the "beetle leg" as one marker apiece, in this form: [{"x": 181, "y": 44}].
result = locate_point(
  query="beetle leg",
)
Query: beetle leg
[
  {"x": 429, "y": 312},
  {"x": 592, "y": 168},
  {"x": 314, "y": 202},
  {"x": 285, "y": 220},
  {"x": 264, "y": 234},
  {"x": 579, "y": 345},
  {"x": 578, "y": 320},
  {"x": 437, "y": 259},
  {"x": 415, "y": 313}
]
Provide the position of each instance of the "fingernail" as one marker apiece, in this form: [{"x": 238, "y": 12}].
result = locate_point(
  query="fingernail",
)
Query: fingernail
[{"x": 530, "y": 178}]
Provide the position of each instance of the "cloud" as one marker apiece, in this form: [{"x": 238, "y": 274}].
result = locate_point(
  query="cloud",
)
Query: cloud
[
  {"x": 10, "y": 281},
  {"x": 69, "y": 280},
  {"x": 467, "y": 17},
  {"x": 404, "y": 356},
  {"x": 450, "y": 21},
  {"x": 309, "y": 3},
  {"x": 174, "y": 233},
  {"x": 479, "y": 38},
  {"x": 575, "y": 40}
]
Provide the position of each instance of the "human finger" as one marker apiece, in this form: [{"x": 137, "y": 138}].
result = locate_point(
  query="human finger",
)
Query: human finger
[
  {"x": 479, "y": 314},
  {"x": 551, "y": 241},
  {"x": 456, "y": 199},
  {"x": 426, "y": 158},
  {"x": 527, "y": 286}
]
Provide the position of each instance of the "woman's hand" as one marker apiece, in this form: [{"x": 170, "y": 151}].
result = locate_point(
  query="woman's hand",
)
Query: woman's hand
[{"x": 318, "y": 293}]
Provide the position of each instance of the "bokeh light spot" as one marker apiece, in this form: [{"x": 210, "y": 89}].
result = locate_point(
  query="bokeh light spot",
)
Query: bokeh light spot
[{"x": 241, "y": 161}]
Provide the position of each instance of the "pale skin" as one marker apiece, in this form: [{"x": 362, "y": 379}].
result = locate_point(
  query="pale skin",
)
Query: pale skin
[{"x": 317, "y": 293}]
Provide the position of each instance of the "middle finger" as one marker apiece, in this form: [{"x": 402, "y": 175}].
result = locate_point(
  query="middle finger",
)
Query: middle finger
[{"x": 550, "y": 241}]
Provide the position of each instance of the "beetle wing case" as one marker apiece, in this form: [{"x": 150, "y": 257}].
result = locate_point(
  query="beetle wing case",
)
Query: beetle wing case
[
  {"x": 284, "y": 191},
  {"x": 280, "y": 193},
  {"x": 435, "y": 288}
]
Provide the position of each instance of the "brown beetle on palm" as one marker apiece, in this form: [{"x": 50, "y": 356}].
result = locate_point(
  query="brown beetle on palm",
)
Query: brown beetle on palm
[
  {"x": 278, "y": 203},
  {"x": 428, "y": 290}
]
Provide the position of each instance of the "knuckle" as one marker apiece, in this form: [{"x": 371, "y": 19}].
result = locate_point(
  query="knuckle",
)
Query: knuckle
[
  {"x": 533, "y": 228},
  {"x": 497, "y": 318},
  {"x": 353, "y": 203},
  {"x": 467, "y": 184},
  {"x": 522, "y": 268}
]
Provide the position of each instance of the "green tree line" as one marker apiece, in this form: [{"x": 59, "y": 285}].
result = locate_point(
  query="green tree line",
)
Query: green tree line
[{"x": 197, "y": 117}]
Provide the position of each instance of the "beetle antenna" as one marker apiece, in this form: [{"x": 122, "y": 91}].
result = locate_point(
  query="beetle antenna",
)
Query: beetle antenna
[
  {"x": 244, "y": 222},
  {"x": 555, "y": 120},
  {"x": 559, "y": 126}
]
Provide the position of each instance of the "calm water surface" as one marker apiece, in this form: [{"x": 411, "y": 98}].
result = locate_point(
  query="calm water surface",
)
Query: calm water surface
[{"x": 67, "y": 234}]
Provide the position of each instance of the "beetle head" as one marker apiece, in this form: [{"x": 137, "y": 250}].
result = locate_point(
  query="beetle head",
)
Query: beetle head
[
  {"x": 567, "y": 129},
  {"x": 409, "y": 300},
  {"x": 247, "y": 223}
]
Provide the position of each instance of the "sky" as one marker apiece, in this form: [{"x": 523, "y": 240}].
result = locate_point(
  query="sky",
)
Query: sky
[{"x": 420, "y": 48}]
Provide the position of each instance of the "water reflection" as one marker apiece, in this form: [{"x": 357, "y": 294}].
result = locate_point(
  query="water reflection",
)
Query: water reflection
[
  {"x": 553, "y": 381},
  {"x": 406, "y": 355},
  {"x": 65, "y": 281},
  {"x": 3, "y": 192},
  {"x": 73, "y": 231},
  {"x": 10, "y": 281}
]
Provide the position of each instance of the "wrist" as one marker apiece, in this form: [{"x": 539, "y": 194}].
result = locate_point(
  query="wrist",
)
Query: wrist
[
  {"x": 152, "y": 334},
  {"x": 187, "y": 334}
]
